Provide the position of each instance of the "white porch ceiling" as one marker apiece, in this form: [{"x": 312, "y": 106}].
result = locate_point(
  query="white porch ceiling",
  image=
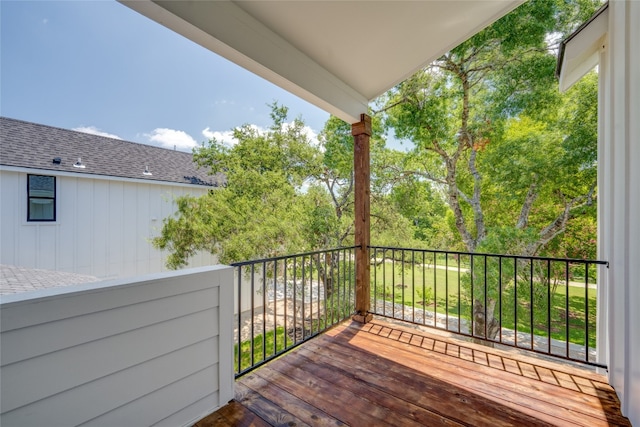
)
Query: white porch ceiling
[{"x": 338, "y": 55}]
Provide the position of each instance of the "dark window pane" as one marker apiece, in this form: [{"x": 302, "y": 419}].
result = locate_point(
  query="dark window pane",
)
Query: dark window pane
[
  {"x": 41, "y": 209},
  {"x": 42, "y": 186}
]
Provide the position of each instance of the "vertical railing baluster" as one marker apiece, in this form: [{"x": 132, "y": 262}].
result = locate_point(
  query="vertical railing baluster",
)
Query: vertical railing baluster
[
  {"x": 295, "y": 300},
  {"x": 286, "y": 302},
  {"x": 393, "y": 283},
  {"x": 459, "y": 295},
  {"x": 424, "y": 288},
  {"x": 275, "y": 306},
  {"x": 253, "y": 314},
  {"x": 384, "y": 282},
  {"x": 446, "y": 290},
  {"x": 352, "y": 286},
  {"x": 586, "y": 312},
  {"x": 402, "y": 270},
  {"x": 531, "y": 302},
  {"x": 413, "y": 285},
  {"x": 311, "y": 301},
  {"x": 473, "y": 330},
  {"x": 304, "y": 299},
  {"x": 566, "y": 308},
  {"x": 549, "y": 306},
  {"x": 335, "y": 295},
  {"x": 239, "y": 319},
  {"x": 264, "y": 310},
  {"x": 515, "y": 300},
  {"x": 343, "y": 282},
  {"x": 341, "y": 285},
  {"x": 435, "y": 291},
  {"x": 318, "y": 294},
  {"x": 500, "y": 295},
  {"x": 375, "y": 280},
  {"x": 486, "y": 291},
  {"x": 346, "y": 292},
  {"x": 324, "y": 287}
]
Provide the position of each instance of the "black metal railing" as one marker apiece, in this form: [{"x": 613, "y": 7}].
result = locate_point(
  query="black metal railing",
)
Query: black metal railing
[
  {"x": 545, "y": 305},
  {"x": 283, "y": 301}
]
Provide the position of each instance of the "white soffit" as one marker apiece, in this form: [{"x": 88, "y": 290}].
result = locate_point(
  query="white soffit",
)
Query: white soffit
[
  {"x": 338, "y": 55},
  {"x": 580, "y": 52}
]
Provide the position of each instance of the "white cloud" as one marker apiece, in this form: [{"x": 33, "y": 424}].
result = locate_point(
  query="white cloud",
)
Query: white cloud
[
  {"x": 227, "y": 136},
  {"x": 171, "y": 138},
  {"x": 95, "y": 131}
]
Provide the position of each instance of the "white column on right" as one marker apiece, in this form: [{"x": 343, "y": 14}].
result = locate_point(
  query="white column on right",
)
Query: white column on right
[{"x": 620, "y": 200}]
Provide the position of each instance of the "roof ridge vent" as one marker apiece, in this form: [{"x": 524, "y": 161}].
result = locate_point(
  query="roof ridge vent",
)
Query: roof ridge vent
[{"x": 79, "y": 164}]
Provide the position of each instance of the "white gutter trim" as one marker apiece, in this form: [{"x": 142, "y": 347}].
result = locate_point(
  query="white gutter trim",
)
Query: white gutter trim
[{"x": 99, "y": 177}]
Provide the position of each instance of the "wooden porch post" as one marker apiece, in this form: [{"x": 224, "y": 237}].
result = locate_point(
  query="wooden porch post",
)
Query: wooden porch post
[{"x": 361, "y": 132}]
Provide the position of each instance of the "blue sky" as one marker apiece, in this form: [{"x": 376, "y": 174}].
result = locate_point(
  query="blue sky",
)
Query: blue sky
[{"x": 100, "y": 66}]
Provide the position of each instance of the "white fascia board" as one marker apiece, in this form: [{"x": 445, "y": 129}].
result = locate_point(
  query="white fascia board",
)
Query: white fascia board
[
  {"x": 227, "y": 30},
  {"x": 581, "y": 51},
  {"x": 50, "y": 172}
]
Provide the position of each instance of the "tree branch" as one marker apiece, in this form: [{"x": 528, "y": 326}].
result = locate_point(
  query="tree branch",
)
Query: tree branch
[
  {"x": 532, "y": 195},
  {"x": 559, "y": 224}
]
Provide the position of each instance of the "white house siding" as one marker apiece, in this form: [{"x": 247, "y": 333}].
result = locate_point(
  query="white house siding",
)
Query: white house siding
[
  {"x": 620, "y": 199},
  {"x": 155, "y": 350},
  {"x": 103, "y": 225}
]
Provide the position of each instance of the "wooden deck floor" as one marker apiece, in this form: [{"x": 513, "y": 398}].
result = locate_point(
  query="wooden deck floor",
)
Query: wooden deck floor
[{"x": 388, "y": 374}]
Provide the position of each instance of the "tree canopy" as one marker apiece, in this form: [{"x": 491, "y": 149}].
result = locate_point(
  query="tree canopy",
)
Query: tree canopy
[{"x": 491, "y": 131}]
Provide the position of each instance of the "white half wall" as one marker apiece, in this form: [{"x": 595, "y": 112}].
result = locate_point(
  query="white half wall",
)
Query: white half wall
[
  {"x": 103, "y": 225},
  {"x": 155, "y": 350}
]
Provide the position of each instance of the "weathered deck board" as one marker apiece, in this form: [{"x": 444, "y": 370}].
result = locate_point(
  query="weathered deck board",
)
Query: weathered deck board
[
  {"x": 387, "y": 373},
  {"x": 233, "y": 414}
]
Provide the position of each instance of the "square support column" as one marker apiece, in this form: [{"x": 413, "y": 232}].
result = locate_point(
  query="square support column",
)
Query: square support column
[{"x": 361, "y": 132}]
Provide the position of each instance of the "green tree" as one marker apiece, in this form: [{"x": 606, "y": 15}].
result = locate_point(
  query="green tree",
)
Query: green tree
[
  {"x": 260, "y": 211},
  {"x": 483, "y": 120}
]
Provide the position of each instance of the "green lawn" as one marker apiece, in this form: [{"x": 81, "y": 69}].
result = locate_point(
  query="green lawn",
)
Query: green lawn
[
  {"x": 258, "y": 354},
  {"x": 414, "y": 286}
]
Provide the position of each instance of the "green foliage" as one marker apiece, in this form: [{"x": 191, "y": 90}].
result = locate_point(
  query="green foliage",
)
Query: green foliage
[
  {"x": 260, "y": 211},
  {"x": 263, "y": 348},
  {"x": 491, "y": 130}
]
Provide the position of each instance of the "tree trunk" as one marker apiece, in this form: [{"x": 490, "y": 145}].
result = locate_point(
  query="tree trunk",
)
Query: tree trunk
[{"x": 480, "y": 320}]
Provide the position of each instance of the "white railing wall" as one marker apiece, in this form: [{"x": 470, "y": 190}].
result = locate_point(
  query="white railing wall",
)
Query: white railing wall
[{"x": 152, "y": 350}]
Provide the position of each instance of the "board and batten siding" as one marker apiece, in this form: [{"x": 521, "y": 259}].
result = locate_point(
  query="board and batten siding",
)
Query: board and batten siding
[
  {"x": 153, "y": 350},
  {"x": 103, "y": 225}
]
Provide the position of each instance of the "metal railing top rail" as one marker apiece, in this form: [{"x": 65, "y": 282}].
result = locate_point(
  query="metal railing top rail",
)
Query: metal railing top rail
[
  {"x": 525, "y": 257},
  {"x": 282, "y": 257}
]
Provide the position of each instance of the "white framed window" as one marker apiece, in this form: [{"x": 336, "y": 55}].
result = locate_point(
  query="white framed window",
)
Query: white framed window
[{"x": 41, "y": 198}]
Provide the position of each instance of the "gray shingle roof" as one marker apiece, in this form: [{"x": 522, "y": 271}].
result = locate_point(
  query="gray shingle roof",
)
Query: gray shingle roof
[{"x": 31, "y": 145}]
